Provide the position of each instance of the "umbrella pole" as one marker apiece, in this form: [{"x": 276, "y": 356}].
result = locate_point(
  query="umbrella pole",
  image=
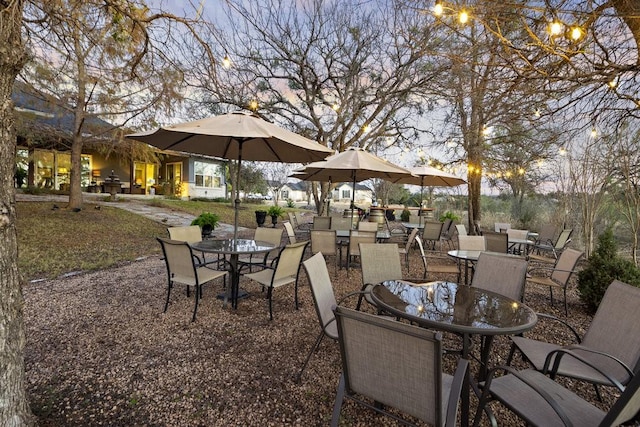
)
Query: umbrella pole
[
  {"x": 237, "y": 200},
  {"x": 420, "y": 208},
  {"x": 353, "y": 202}
]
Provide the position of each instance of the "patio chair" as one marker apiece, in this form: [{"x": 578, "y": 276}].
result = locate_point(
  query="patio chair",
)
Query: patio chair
[
  {"x": 547, "y": 234},
  {"x": 291, "y": 234},
  {"x": 323, "y": 299},
  {"x": 496, "y": 242},
  {"x": 395, "y": 365},
  {"x": 321, "y": 223},
  {"x": 461, "y": 229},
  {"x": 433, "y": 267},
  {"x": 325, "y": 241},
  {"x": 301, "y": 223},
  {"x": 472, "y": 243},
  {"x": 560, "y": 274},
  {"x": 285, "y": 270},
  {"x": 263, "y": 234},
  {"x": 404, "y": 251},
  {"x": 555, "y": 248},
  {"x": 540, "y": 401},
  {"x": 502, "y": 274},
  {"x": 378, "y": 262},
  {"x": 446, "y": 234},
  {"x": 353, "y": 247},
  {"x": 341, "y": 223},
  {"x": 191, "y": 234},
  {"x": 368, "y": 226},
  {"x": 431, "y": 234},
  {"x": 501, "y": 227},
  {"x": 517, "y": 248},
  {"x": 609, "y": 352},
  {"x": 182, "y": 267}
]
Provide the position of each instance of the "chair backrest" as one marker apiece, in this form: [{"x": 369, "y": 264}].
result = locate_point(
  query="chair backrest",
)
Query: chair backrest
[
  {"x": 324, "y": 241},
  {"x": 515, "y": 233},
  {"x": 411, "y": 239},
  {"x": 563, "y": 239},
  {"x": 356, "y": 237},
  {"x": 290, "y": 232},
  {"x": 614, "y": 328},
  {"x": 502, "y": 274},
  {"x": 289, "y": 260},
  {"x": 323, "y": 297},
  {"x": 380, "y": 262},
  {"x": 471, "y": 243},
  {"x": 367, "y": 226},
  {"x": 499, "y": 226},
  {"x": 565, "y": 265},
  {"x": 321, "y": 222},
  {"x": 299, "y": 219},
  {"x": 446, "y": 227},
  {"x": 496, "y": 242},
  {"x": 390, "y": 362},
  {"x": 293, "y": 220},
  {"x": 423, "y": 256},
  {"x": 414, "y": 218},
  {"x": 188, "y": 233},
  {"x": 462, "y": 230},
  {"x": 432, "y": 230},
  {"x": 179, "y": 258},
  {"x": 269, "y": 235},
  {"x": 341, "y": 223},
  {"x": 547, "y": 233}
]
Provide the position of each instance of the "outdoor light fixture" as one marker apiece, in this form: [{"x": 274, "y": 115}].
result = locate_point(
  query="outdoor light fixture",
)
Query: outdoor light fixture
[
  {"x": 226, "y": 62},
  {"x": 438, "y": 9}
]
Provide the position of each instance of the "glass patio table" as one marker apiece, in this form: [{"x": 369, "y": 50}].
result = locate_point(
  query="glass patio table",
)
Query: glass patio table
[
  {"x": 232, "y": 249},
  {"x": 461, "y": 309}
]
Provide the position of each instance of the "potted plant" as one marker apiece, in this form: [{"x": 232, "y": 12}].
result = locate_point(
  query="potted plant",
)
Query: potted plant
[
  {"x": 260, "y": 217},
  {"x": 207, "y": 222},
  {"x": 274, "y": 212}
]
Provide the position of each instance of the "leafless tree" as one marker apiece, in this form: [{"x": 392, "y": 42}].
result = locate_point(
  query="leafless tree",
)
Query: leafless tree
[{"x": 341, "y": 73}]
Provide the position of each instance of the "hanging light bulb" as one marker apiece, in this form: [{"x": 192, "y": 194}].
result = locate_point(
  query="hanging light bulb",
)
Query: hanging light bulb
[
  {"x": 226, "y": 61},
  {"x": 463, "y": 17},
  {"x": 563, "y": 151},
  {"x": 576, "y": 33},
  {"x": 438, "y": 9},
  {"x": 594, "y": 132},
  {"x": 521, "y": 171},
  {"x": 253, "y": 105},
  {"x": 335, "y": 107},
  {"x": 555, "y": 28}
]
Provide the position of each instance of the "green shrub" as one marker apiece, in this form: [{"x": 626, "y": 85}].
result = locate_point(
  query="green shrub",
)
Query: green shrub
[
  {"x": 449, "y": 215},
  {"x": 290, "y": 203},
  {"x": 276, "y": 211},
  {"x": 206, "y": 218},
  {"x": 405, "y": 215},
  {"x": 603, "y": 267}
]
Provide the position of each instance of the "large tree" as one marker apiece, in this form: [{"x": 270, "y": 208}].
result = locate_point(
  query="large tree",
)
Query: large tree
[
  {"x": 341, "y": 73},
  {"x": 14, "y": 409}
]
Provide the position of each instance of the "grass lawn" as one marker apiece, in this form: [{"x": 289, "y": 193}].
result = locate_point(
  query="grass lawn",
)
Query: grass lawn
[{"x": 52, "y": 242}]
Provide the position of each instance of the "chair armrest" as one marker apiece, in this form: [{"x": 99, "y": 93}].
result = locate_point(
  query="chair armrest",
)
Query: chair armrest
[
  {"x": 549, "y": 317},
  {"x": 551, "y": 269},
  {"x": 543, "y": 393},
  {"x": 462, "y": 370},
  {"x": 559, "y": 353}
]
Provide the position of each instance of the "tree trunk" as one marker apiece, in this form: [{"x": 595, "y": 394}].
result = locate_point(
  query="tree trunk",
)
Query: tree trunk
[{"x": 14, "y": 409}]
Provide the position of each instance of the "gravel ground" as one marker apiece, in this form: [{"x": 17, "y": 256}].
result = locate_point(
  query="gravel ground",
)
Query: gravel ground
[{"x": 101, "y": 352}]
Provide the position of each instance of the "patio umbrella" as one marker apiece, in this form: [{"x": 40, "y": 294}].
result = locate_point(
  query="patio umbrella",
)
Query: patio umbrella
[
  {"x": 236, "y": 136},
  {"x": 430, "y": 177},
  {"x": 352, "y": 165}
]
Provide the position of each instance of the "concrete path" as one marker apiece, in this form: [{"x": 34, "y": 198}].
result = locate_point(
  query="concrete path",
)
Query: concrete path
[{"x": 168, "y": 217}]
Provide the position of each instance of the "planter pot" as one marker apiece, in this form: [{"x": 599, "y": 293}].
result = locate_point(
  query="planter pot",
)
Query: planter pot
[
  {"x": 274, "y": 220},
  {"x": 261, "y": 216}
]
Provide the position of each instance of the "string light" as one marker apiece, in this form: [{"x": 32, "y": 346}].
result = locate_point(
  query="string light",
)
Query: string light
[
  {"x": 366, "y": 129},
  {"x": 335, "y": 107},
  {"x": 576, "y": 33},
  {"x": 555, "y": 28},
  {"x": 612, "y": 84},
  {"x": 463, "y": 17},
  {"x": 537, "y": 113},
  {"x": 562, "y": 151},
  {"x": 438, "y": 9},
  {"x": 253, "y": 105},
  {"x": 226, "y": 61},
  {"x": 594, "y": 132},
  {"x": 521, "y": 171}
]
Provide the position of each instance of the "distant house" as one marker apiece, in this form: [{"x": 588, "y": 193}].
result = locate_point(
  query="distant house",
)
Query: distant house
[
  {"x": 296, "y": 191},
  {"x": 343, "y": 193},
  {"x": 44, "y": 155}
]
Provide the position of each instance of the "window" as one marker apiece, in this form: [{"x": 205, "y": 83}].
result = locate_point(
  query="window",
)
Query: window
[
  {"x": 284, "y": 194},
  {"x": 346, "y": 194},
  {"x": 207, "y": 175}
]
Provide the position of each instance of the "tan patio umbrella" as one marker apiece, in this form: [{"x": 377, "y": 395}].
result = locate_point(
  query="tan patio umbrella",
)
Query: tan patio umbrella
[
  {"x": 430, "y": 177},
  {"x": 353, "y": 165},
  {"x": 236, "y": 136}
]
